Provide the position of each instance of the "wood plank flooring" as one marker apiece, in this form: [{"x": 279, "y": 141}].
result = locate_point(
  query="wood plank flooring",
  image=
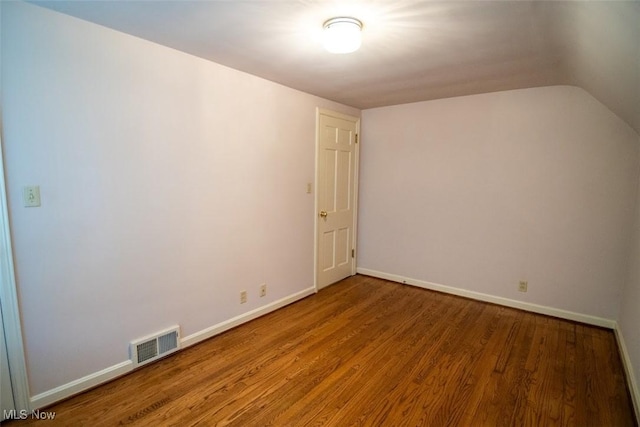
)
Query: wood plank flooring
[{"x": 370, "y": 352}]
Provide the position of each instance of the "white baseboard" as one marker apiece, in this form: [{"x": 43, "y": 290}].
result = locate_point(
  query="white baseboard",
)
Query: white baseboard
[
  {"x": 628, "y": 370},
  {"x": 80, "y": 385},
  {"x": 243, "y": 318},
  {"x": 535, "y": 308},
  {"x": 77, "y": 386}
]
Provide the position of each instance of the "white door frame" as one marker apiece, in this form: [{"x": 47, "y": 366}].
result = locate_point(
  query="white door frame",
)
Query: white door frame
[
  {"x": 9, "y": 301},
  {"x": 356, "y": 174}
]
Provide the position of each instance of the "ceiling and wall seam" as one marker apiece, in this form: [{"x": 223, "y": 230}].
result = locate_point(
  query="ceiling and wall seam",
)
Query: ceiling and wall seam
[{"x": 411, "y": 52}]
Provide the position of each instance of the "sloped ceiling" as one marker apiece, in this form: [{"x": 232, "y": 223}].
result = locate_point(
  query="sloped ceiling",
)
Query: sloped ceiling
[{"x": 412, "y": 50}]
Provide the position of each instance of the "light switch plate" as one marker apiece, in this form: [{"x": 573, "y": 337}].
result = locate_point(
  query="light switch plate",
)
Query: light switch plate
[{"x": 31, "y": 196}]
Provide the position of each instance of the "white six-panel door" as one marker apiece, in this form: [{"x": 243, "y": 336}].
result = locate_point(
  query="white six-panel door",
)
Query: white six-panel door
[{"x": 336, "y": 197}]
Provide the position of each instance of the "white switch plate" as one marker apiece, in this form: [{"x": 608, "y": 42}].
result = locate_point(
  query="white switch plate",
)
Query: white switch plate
[
  {"x": 308, "y": 188},
  {"x": 31, "y": 196}
]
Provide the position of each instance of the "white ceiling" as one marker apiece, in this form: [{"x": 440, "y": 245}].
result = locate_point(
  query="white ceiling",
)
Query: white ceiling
[{"x": 411, "y": 51}]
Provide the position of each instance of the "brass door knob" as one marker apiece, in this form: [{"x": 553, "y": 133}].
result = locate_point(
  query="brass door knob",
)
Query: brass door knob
[{"x": 323, "y": 214}]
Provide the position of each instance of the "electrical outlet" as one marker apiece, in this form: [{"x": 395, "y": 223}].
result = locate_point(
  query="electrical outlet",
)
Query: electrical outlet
[
  {"x": 263, "y": 290},
  {"x": 243, "y": 297},
  {"x": 522, "y": 285}
]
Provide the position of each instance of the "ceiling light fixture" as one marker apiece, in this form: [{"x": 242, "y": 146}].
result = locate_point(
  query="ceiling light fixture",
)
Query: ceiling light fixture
[{"x": 342, "y": 35}]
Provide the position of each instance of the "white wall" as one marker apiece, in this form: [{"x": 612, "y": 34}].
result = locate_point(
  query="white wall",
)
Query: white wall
[
  {"x": 169, "y": 183},
  {"x": 482, "y": 191},
  {"x": 630, "y": 310}
]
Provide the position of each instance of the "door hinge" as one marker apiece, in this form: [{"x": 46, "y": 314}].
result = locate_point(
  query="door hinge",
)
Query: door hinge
[
  {"x": 353, "y": 253},
  {"x": 356, "y": 138}
]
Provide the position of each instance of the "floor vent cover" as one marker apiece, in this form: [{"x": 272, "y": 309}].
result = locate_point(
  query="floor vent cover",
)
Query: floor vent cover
[{"x": 153, "y": 347}]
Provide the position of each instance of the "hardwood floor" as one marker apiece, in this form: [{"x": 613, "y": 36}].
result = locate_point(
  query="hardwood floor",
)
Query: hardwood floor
[{"x": 371, "y": 352}]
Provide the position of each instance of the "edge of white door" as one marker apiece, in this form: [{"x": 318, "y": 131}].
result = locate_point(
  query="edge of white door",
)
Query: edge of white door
[
  {"x": 356, "y": 120},
  {"x": 10, "y": 308}
]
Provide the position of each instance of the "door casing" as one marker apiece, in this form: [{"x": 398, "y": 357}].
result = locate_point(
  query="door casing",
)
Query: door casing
[{"x": 10, "y": 308}]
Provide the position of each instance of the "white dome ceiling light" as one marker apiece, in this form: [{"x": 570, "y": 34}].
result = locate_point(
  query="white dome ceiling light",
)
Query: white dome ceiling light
[{"x": 342, "y": 35}]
